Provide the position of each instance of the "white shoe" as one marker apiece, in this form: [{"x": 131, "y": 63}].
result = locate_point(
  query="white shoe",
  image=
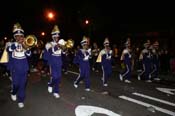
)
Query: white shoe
[
  {"x": 56, "y": 95},
  {"x": 87, "y": 89},
  {"x": 75, "y": 85},
  {"x": 139, "y": 78},
  {"x": 121, "y": 78},
  {"x": 105, "y": 85},
  {"x": 127, "y": 81},
  {"x": 50, "y": 89},
  {"x": 148, "y": 81},
  {"x": 13, "y": 97},
  {"x": 20, "y": 105}
]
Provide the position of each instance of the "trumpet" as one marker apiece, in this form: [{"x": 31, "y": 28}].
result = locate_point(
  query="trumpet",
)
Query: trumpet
[
  {"x": 69, "y": 43},
  {"x": 30, "y": 41},
  {"x": 66, "y": 44}
]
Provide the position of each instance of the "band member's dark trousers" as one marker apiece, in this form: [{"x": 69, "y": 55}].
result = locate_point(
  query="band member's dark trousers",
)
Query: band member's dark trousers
[
  {"x": 127, "y": 72},
  {"x": 55, "y": 78},
  {"x": 84, "y": 74},
  {"x": 107, "y": 72},
  {"x": 19, "y": 81},
  {"x": 155, "y": 70},
  {"x": 146, "y": 70}
]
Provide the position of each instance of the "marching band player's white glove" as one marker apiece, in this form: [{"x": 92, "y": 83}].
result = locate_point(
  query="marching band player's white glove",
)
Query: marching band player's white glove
[
  {"x": 108, "y": 57},
  {"x": 62, "y": 42},
  {"x": 86, "y": 58},
  {"x": 89, "y": 51},
  {"x": 48, "y": 46},
  {"x": 103, "y": 52},
  {"x": 110, "y": 52}
]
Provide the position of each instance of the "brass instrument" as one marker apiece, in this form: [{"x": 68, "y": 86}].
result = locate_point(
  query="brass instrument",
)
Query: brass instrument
[
  {"x": 69, "y": 43},
  {"x": 30, "y": 41},
  {"x": 66, "y": 44}
]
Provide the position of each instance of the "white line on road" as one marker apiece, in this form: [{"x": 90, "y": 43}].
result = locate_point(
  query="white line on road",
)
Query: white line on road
[
  {"x": 73, "y": 72},
  {"x": 148, "y": 105},
  {"x": 153, "y": 98},
  {"x": 84, "y": 110},
  {"x": 167, "y": 90}
]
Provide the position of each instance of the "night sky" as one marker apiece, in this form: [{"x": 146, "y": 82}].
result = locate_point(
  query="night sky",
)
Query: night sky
[{"x": 107, "y": 18}]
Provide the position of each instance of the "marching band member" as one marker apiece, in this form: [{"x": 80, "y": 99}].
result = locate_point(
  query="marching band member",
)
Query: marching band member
[
  {"x": 155, "y": 60},
  {"x": 53, "y": 55},
  {"x": 126, "y": 59},
  {"x": 19, "y": 65},
  {"x": 145, "y": 57},
  {"x": 82, "y": 59},
  {"x": 105, "y": 58}
]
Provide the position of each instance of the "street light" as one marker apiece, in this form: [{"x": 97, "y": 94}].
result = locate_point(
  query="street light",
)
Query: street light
[
  {"x": 42, "y": 33},
  {"x": 86, "y": 21},
  {"x": 50, "y": 15}
]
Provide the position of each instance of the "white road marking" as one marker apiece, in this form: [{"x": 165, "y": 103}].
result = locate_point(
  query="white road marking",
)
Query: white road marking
[
  {"x": 148, "y": 105},
  {"x": 84, "y": 110},
  {"x": 153, "y": 98},
  {"x": 166, "y": 90}
]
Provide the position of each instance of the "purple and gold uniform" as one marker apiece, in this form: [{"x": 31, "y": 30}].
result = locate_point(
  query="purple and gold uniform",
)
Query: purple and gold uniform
[
  {"x": 126, "y": 58},
  {"x": 18, "y": 65},
  {"x": 145, "y": 57},
  {"x": 53, "y": 54},
  {"x": 106, "y": 62},
  {"x": 82, "y": 59}
]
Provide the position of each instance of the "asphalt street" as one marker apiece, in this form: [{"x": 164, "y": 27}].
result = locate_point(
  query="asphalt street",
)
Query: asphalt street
[{"x": 118, "y": 99}]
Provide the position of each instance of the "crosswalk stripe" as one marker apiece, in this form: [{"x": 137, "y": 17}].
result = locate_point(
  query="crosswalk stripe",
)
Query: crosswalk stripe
[
  {"x": 147, "y": 105},
  {"x": 153, "y": 98},
  {"x": 73, "y": 72}
]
